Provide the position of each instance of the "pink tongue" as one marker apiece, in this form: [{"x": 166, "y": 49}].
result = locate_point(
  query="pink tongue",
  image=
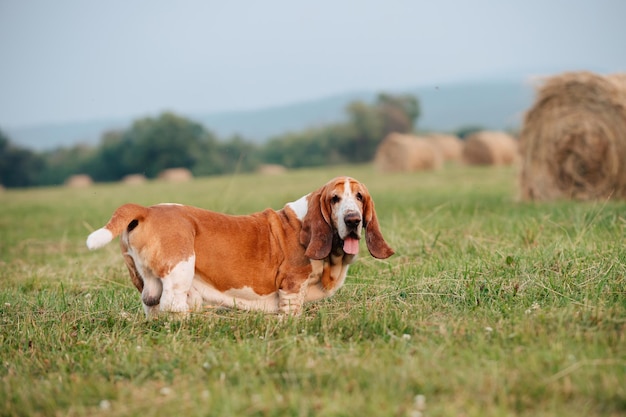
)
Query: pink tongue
[{"x": 351, "y": 246}]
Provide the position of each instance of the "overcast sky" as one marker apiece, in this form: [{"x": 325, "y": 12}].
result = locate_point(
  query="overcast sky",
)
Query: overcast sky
[{"x": 67, "y": 60}]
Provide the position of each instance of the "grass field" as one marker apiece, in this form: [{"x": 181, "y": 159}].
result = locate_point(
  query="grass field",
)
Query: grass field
[{"x": 490, "y": 307}]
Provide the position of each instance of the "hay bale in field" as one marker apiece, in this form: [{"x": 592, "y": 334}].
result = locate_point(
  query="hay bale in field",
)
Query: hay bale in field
[
  {"x": 450, "y": 146},
  {"x": 134, "y": 179},
  {"x": 619, "y": 79},
  {"x": 176, "y": 175},
  {"x": 573, "y": 141},
  {"x": 406, "y": 153},
  {"x": 271, "y": 169},
  {"x": 490, "y": 148},
  {"x": 78, "y": 181}
]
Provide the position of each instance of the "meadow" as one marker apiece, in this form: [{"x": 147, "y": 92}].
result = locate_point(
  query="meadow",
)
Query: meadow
[{"x": 490, "y": 307}]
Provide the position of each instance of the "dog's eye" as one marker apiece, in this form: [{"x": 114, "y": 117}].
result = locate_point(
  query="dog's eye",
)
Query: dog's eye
[
  {"x": 335, "y": 199},
  {"x": 359, "y": 196}
]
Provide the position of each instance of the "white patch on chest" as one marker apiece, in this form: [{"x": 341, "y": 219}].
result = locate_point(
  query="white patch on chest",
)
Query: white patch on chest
[
  {"x": 300, "y": 207},
  {"x": 241, "y": 298}
]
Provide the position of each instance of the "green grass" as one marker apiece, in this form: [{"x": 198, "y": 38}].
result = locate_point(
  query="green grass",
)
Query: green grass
[{"x": 490, "y": 307}]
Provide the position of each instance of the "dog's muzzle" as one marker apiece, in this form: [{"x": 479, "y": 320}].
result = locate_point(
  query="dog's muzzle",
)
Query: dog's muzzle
[{"x": 352, "y": 222}]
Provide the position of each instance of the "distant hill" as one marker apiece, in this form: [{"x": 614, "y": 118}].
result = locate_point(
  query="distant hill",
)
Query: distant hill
[{"x": 489, "y": 104}]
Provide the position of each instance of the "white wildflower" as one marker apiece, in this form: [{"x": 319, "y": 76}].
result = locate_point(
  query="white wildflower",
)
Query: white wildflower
[
  {"x": 419, "y": 405},
  {"x": 310, "y": 363},
  {"x": 419, "y": 402},
  {"x": 534, "y": 306}
]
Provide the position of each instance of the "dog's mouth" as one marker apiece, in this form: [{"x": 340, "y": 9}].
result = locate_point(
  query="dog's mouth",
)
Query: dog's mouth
[{"x": 351, "y": 244}]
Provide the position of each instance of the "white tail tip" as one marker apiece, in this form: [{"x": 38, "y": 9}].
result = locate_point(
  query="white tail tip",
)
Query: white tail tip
[{"x": 99, "y": 238}]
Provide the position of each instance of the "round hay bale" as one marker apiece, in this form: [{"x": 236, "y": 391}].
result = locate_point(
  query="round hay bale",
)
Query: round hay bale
[
  {"x": 79, "y": 181},
  {"x": 176, "y": 175},
  {"x": 490, "y": 148},
  {"x": 450, "y": 146},
  {"x": 406, "y": 153},
  {"x": 619, "y": 80},
  {"x": 271, "y": 169},
  {"x": 573, "y": 141},
  {"x": 134, "y": 179}
]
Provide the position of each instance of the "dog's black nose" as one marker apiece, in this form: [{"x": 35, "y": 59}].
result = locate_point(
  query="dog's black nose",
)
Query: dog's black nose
[{"x": 352, "y": 220}]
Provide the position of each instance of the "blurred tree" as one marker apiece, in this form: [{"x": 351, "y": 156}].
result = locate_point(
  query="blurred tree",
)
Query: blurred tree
[
  {"x": 311, "y": 147},
  {"x": 399, "y": 112},
  {"x": 235, "y": 155},
  {"x": 169, "y": 141},
  {"x": 19, "y": 167},
  {"x": 109, "y": 162},
  {"x": 64, "y": 162},
  {"x": 364, "y": 132},
  {"x": 295, "y": 149},
  {"x": 353, "y": 141},
  {"x": 151, "y": 145}
]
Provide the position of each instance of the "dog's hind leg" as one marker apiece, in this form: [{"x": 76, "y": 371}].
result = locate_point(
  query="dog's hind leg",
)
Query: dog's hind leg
[{"x": 176, "y": 285}]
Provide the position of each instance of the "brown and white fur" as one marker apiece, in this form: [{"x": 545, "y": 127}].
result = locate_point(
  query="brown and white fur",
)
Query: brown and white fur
[{"x": 182, "y": 258}]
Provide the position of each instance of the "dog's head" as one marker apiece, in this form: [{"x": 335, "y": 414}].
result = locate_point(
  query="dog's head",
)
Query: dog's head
[{"x": 338, "y": 212}]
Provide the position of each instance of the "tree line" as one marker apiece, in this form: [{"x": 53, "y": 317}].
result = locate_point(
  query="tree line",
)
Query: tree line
[{"x": 153, "y": 144}]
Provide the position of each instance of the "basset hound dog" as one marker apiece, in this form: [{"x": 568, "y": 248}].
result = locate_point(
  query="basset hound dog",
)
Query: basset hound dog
[{"x": 182, "y": 258}]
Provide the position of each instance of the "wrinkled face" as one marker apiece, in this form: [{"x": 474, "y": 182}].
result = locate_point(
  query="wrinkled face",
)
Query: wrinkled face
[
  {"x": 339, "y": 211},
  {"x": 345, "y": 200}
]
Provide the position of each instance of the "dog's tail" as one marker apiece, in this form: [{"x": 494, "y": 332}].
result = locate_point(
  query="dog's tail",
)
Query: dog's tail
[{"x": 126, "y": 217}]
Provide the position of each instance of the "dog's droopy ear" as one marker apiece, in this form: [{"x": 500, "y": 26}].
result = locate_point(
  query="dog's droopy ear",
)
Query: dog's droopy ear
[
  {"x": 316, "y": 234},
  {"x": 376, "y": 245}
]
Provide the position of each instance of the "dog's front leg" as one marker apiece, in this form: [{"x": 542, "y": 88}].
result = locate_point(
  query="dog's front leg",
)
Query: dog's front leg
[
  {"x": 176, "y": 285},
  {"x": 290, "y": 303},
  {"x": 291, "y": 296},
  {"x": 293, "y": 293}
]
